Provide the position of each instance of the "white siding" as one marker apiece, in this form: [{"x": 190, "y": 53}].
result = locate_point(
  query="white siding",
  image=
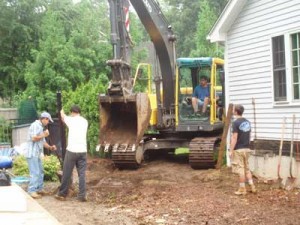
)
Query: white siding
[{"x": 249, "y": 64}]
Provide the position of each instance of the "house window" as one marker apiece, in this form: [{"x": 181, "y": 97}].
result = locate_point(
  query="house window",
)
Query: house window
[
  {"x": 279, "y": 70},
  {"x": 295, "y": 40}
]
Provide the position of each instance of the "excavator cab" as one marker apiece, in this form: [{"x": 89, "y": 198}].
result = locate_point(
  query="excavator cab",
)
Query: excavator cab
[{"x": 189, "y": 72}]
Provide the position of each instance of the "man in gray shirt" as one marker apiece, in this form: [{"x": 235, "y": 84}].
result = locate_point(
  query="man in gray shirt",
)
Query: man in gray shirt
[{"x": 35, "y": 146}]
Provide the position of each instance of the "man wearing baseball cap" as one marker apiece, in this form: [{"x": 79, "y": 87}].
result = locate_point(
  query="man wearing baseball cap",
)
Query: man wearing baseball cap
[
  {"x": 46, "y": 115},
  {"x": 35, "y": 146}
]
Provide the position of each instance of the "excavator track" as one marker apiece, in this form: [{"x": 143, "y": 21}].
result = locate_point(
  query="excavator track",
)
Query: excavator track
[
  {"x": 127, "y": 156},
  {"x": 202, "y": 153}
]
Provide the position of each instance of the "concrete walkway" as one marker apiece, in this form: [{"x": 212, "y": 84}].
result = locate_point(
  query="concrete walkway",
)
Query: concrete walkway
[{"x": 18, "y": 208}]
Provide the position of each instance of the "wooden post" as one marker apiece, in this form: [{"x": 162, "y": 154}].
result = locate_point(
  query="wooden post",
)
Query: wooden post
[
  {"x": 224, "y": 136},
  {"x": 254, "y": 125},
  {"x": 61, "y": 124}
]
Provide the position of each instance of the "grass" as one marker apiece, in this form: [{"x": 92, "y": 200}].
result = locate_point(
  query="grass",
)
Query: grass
[{"x": 180, "y": 151}]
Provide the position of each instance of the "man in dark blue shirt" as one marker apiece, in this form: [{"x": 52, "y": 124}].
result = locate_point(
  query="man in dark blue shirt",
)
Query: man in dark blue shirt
[
  {"x": 240, "y": 150},
  {"x": 200, "y": 97}
]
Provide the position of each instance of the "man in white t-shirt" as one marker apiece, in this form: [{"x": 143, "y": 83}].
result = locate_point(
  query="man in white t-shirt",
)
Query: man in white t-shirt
[{"x": 76, "y": 153}]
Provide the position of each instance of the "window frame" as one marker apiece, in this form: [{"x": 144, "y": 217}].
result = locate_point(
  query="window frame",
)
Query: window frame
[
  {"x": 288, "y": 70},
  {"x": 298, "y": 65}
]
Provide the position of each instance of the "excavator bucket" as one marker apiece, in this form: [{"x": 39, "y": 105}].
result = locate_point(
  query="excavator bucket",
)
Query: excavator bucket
[{"x": 123, "y": 121}]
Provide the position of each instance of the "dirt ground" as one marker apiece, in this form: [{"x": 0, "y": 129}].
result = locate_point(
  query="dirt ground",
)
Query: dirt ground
[{"x": 167, "y": 191}]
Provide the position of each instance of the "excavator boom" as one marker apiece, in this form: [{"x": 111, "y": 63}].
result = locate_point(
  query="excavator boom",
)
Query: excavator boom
[{"x": 163, "y": 38}]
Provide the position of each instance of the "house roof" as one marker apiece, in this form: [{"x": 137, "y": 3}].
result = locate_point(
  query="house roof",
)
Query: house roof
[{"x": 225, "y": 20}]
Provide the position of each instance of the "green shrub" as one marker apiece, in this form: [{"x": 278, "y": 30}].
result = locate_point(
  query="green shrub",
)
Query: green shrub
[
  {"x": 20, "y": 166},
  {"x": 51, "y": 166},
  {"x": 5, "y": 131},
  {"x": 86, "y": 96}
]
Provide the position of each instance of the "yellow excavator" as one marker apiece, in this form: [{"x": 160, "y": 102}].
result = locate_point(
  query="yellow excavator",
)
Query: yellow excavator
[{"x": 161, "y": 118}]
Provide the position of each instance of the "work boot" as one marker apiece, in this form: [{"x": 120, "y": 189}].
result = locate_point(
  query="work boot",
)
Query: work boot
[
  {"x": 241, "y": 191},
  {"x": 60, "y": 198},
  {"x": 253, "y": 189},
  {"x": 43, "y": 192},
  {"x": 198, "y": 114},
  {"x": 35, "y": 195},
  {"x": 82, "y": 199}
]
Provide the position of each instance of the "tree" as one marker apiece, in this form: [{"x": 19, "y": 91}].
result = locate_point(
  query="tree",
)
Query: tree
[
  {"x": 86, "y": 97},
  {"x": 207, "y": 18},
  {"x": 191, "y": 23},
  {"x": 218, "y": 6},
  {"x": 19, "y": 25},
  {"x": 183, "y": 16},
  {"x": 70, "y": 51}
]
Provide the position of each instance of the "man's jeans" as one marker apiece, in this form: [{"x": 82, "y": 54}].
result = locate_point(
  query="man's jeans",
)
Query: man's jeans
[
  {"x": 36, "y": 170},
  {"x": 73, "y": 159}
]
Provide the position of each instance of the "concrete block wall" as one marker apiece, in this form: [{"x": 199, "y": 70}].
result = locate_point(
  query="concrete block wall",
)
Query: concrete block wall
[
  {"x": 265, "y": 166},
  {"x": 9, "y": 113},
  {"x": 19, "y": 134}
]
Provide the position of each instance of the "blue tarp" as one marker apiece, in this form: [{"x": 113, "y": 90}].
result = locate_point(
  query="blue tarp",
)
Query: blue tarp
[
  {"x": 5, "y": 162},
  {"x": 7, "y": 152},
  {"x": 6, "y": 157}
]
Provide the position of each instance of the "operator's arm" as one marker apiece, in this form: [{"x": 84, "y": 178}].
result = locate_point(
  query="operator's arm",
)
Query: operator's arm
[
  {"x": 195, "y": 93},
  {"x": 208, "y": 91},
  {"x": 204, "y": 92}
]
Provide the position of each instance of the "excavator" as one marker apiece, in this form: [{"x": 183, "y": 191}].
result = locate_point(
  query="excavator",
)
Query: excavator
[{"x": 161, "y": 117}]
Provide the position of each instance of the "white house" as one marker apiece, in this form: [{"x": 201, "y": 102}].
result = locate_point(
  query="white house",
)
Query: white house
[{"x": 262, "y": 65}]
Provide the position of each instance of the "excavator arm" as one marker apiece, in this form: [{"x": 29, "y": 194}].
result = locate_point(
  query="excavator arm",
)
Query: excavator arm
[
  {"x": 125, "y": 115},
  {"x": 121, "y": 81},
  {"x": 162, "y": 36}
]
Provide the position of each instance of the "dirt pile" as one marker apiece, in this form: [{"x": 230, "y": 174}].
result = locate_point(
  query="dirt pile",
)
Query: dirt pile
[{"x": 170, "y": 192}]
